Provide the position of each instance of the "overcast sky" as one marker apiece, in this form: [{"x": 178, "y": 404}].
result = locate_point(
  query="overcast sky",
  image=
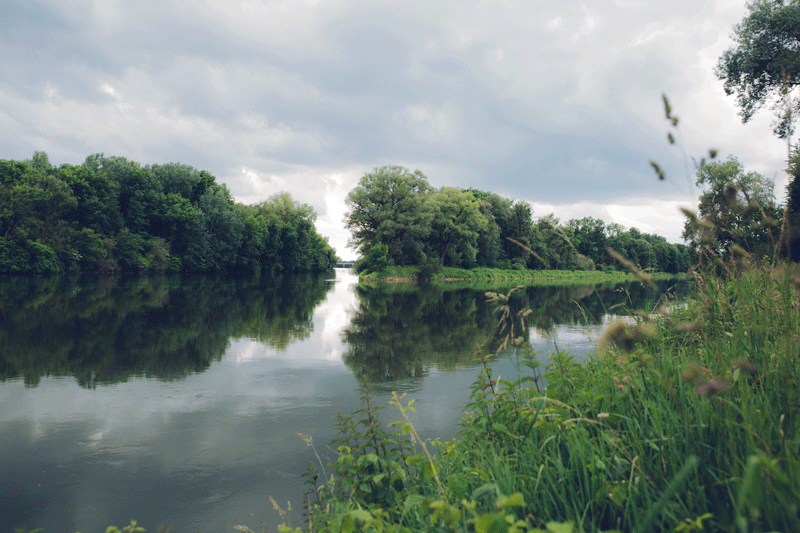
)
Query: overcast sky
[{"x": 558, "y": 104}]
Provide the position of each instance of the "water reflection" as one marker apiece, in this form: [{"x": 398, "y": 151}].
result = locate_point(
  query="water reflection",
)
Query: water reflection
[
  {"x": 108, "y": 330},
  {"x": 192, "y": 391},
  {"x": 398, "y": 332}
]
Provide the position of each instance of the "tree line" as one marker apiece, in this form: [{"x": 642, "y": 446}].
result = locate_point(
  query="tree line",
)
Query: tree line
[
  {"x": 396, "y": 217},
  {"x": 110, "y": 214}
]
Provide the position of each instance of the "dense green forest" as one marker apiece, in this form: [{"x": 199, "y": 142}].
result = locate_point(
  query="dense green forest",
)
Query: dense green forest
[
  {"x": 397, "y": 218},
  {"x": 110, "y": 214}
]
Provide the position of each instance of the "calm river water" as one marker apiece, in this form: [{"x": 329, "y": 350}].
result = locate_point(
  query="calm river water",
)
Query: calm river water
[{"x": 179, "y": 401}]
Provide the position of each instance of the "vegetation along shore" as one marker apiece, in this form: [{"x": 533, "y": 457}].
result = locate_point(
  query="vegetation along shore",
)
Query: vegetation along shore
[
  {"x": 686, "y": 419},
  {"x": 412, "y": 274}
]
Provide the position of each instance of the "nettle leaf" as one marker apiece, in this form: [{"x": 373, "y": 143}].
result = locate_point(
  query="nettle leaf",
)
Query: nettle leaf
[
  {"x": 413, "y": 500},
  {"x": 416, "y": 459}
]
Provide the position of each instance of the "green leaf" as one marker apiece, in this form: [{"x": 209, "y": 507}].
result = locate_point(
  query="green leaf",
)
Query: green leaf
[
  {"x": 501, "y": 428},
  {"x": 452, "y": 516},
  {"x": 515, "y": 500},
  {"x": 416, "y": 459},
  {"x": 348, "y": 524},
  {"x": 486, "y": 488},
  {"x": 429, "y": 470},
  {"x": 560, "y": 527},
  {"x": 491, "y": 523},
  {"x": 480, "y": 473},
  {"x": 361, "y": 514},
  {"x": 458, "y": 484},
  {"x": 413, "y": 500}
]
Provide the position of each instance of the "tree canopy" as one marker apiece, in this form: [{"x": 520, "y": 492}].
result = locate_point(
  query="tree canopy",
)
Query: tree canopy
[
  {"x": 111, "y": 214},
  {"x": 396, "y": 217},
  {"x": 737, "y": 207},
  {"x": 765, "y": 61},
  {"x": 390, "y": 206}
]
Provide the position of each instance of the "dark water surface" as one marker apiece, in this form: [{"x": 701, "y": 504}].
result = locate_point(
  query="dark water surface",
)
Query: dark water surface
[{"x": 179, "y": 401}]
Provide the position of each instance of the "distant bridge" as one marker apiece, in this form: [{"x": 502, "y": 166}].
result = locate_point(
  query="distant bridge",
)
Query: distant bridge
[{"x": 345, "y": 264}]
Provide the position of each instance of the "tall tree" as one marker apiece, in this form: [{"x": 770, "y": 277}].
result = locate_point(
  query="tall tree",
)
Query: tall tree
[
  {"x": 738, "y": 206},
  {"x": 455, "y": 227},
  {"x": 765, "y": 61},
  {"x": 390, "y": 206},
  {"x": 589, "y": 237}
]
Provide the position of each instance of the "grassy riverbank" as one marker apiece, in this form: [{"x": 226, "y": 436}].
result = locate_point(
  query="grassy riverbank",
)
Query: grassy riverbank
[
  {"x": 449, "y": 274},
  {"x": 686, "y": 422}
]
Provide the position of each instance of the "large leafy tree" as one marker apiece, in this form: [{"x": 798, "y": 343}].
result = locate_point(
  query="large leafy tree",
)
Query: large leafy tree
[
  {"x": 589, "y": 237},
  {"x": 764, "y": 64},
  {"x": 737, "y": 206},
  {"x": 391, "y": 206},
  {"x": 456, "y": 225}
]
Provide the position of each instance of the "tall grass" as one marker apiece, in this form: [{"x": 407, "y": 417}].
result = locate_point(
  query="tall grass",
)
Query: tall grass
[
  {"x": 685, "y": 422},
  {"x": 688, "y": 420}
]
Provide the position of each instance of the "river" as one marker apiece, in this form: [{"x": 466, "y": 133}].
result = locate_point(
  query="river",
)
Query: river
[{"x": 181, "y": 400}]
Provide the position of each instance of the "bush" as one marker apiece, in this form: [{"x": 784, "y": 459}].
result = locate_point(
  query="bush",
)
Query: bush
[{"x": 377, "y": 260}]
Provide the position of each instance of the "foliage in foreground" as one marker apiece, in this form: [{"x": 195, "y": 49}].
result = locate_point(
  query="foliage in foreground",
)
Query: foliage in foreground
[
  {"x": 685, "y": 422},
  {"x": 686, "y": 419}
]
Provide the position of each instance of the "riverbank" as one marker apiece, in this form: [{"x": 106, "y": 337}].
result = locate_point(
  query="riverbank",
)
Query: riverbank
[
  {"x": 683, "y": 422},
  {"x": 410, "y": 274}
]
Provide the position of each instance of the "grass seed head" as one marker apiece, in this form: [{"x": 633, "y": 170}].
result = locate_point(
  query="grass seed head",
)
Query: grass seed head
[
  {"x": 730, "y": 195},
  {"x": 711, "y": 387},
  {"x": 745, "y": 366}
]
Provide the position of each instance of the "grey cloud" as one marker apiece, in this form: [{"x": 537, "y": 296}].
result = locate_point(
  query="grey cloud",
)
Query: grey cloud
[{"x": 557, "y": 103}]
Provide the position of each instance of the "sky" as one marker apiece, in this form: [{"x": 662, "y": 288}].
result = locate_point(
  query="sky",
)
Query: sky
[{"x": 554, "y": 103}]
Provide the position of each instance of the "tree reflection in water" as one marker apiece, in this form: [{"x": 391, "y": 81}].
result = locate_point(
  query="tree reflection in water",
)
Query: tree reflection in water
[
  {"x": 107, "y": 330},
  {"x": 401, "y": 332}
]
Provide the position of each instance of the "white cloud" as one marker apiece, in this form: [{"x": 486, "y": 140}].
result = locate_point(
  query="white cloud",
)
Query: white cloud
[
  {"x": 497, "y": 96},
  {"x": 108, "y": 89},
  {"x": 649, "y": 216}
]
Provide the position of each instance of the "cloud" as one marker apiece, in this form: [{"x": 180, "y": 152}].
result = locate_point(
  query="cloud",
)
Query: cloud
[{"x": 554, "y": 103}]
